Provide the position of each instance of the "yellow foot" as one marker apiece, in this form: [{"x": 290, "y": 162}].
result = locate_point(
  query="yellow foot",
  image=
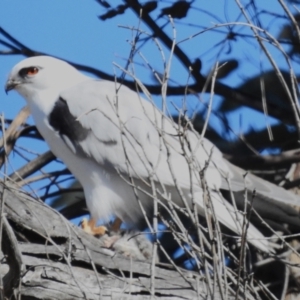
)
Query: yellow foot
[{"x": 90, "y": 227}]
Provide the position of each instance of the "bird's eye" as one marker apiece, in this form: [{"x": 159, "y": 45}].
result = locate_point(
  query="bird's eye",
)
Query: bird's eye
[
  {"x": 28, "y": 71},
  {"x": 32, "y": 71}
]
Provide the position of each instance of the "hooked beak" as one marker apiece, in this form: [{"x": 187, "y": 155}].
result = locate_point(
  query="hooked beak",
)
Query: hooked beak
[{"x": 10, "y": 85}]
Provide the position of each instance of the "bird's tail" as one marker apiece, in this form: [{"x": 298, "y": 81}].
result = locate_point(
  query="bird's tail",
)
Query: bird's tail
[{"x": 233, "y": 219}]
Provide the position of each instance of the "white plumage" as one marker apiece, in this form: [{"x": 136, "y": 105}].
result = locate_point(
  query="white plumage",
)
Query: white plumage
[{"x": 108, "y": 136}]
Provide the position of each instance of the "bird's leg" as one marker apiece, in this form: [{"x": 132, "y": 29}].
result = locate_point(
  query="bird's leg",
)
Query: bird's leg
[
  {"x": 114, "y": 235},
  {"x": 115, "y": 226},
  {"x": 90, "y": 227}
]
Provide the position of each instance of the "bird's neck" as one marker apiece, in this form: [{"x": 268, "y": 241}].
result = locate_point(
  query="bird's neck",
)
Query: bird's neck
[{"x": 42, "y": 101}]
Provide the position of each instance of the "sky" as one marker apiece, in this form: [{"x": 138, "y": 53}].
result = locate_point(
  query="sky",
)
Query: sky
[{"x": 71, "y": 30}]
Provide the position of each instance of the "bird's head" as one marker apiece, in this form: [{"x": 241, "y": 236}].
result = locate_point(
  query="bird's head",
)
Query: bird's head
[{"x": 42, "y": 73}]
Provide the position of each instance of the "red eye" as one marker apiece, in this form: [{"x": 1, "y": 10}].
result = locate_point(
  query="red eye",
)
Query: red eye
[
  {"x": 29, "y": 71},
  {"x": 32, "y": 71}
]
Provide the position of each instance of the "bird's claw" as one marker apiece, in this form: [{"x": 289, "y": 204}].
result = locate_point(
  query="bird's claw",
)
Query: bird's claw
[{"x": 90, "y": 227}]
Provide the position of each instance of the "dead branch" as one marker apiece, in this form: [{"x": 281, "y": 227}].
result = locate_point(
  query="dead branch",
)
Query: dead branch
[
  {"x": 57, "y": 258},
  {"x": 12, "y": 134},
  {"x": 220, "y": 89}
]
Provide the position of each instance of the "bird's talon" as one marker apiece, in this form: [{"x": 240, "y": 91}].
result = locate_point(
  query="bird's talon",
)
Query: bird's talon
[
  {"x": 91, "y": 228},
  {"x": 116, "y": 225}
]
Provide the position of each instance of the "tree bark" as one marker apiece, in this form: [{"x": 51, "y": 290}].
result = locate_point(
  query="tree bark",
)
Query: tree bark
[{"x": 51, "y": 258}]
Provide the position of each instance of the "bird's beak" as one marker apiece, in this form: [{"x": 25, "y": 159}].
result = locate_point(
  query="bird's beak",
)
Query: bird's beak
[{"x": 10, "y": 85}]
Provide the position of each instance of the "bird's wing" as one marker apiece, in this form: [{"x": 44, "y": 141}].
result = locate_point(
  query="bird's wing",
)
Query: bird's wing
[
  {"x": 116, "y": 128},
  {"x": 240, "y": 180}
]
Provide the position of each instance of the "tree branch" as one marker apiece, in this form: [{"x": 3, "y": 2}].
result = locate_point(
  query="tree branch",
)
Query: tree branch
[{"x": 220, "y": 88}]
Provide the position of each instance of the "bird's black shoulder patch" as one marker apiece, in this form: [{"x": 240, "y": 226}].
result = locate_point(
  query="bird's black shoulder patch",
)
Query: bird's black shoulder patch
[{"x": 65, "y": 123}]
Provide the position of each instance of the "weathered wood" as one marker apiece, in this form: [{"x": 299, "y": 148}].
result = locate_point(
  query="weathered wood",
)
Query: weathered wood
[
  {"x": 14, "y": 259},
  {"x": 63, "y": 262}
]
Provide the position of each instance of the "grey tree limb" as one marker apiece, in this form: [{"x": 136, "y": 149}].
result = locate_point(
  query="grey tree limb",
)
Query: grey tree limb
[{"x": 50, "y": 258}]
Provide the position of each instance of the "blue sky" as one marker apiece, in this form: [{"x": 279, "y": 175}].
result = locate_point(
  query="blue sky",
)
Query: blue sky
[{"x": 70, "y": 29}]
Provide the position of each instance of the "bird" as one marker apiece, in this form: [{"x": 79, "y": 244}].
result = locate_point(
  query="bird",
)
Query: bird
[{"x": 127, "y": 154}]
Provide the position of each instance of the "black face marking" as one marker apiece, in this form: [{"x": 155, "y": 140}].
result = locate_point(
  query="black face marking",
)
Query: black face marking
[
  {"x": 25, "y": 71},
  {"x": 65, "y": 123}
]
